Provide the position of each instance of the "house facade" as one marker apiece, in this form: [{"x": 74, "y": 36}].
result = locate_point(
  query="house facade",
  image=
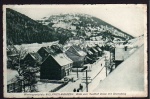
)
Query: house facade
[
  {"x": 77, "y": 55},
  {"x": 55, "y": 67},
  {"x": 13, "y": 84},
  {"x": 99, "y": 50}
]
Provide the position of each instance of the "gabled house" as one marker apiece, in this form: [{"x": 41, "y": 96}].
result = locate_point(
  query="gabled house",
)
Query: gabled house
[
  {"x": 32, "y": 59},
  {"x": 55, "y": 67},
  {"x": 94, "y": 51},
  {"x": 77, "y": 55},
  {"x": 90, "y": 57},
  {"x": 99, "y": 50},
  {"x": 45, "y": 51}
]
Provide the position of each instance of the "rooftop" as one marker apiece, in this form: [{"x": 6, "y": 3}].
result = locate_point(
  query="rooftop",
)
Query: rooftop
[
  {"x": 127, "y": 77},
  {"x": 11, "y": 75},
  {"x": 62, "y": 59}
]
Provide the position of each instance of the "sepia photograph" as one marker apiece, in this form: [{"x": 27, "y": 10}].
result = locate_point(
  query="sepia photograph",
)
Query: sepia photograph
[{"x": 75, "y": 50}]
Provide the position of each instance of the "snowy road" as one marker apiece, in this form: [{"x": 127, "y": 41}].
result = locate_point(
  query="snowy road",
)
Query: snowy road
[{"x": 97, "y": 73}]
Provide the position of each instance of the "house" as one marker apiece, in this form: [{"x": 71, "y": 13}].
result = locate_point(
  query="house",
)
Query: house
[
  {"x": 13, "y": 84},
  {"x": 55, "y": 67},
  {"x": 121, "y": 53},
  {"x": 90, "y": 57},
  {"x": 45, "y": 51},
  {"x": 128, "y": 77},
  {"x": 32, "y": 59},
  {"x": 77, "y": 55},
  {"x": 99, "y": 50},
  {"x": 94, "y": 51},
  {"x": 16, "y": 83}
]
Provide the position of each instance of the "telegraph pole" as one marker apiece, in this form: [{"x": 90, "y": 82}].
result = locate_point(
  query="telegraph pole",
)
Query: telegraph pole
[
  {"x": 77, "y": 73},
  {"x": 86, "y": 82},
  {"x": 106, "y": 66},
  {"x": 110, "y": 55}
]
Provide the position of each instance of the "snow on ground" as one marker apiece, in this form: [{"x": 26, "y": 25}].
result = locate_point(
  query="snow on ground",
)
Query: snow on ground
[
  {"x": 46, "y": 87},
  {"x": 95, "y": 69},
  {"x": 11, "y": 74},
  {"x": 128, "y": 76},
  {"x": 34, "y": 47}
]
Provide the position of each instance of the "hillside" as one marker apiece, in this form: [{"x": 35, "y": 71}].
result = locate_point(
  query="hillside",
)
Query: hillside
[
  {"x": 83, "y": 25},
  {"x": 22, "y": 29}
]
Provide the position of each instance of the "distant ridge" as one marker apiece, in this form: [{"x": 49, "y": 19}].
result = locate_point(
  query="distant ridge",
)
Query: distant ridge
[
  {"x": 21, "y": 29},
  {"x": 83, "y": 22}
]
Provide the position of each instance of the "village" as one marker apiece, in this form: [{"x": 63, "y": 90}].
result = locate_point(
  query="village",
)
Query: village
[{"x": 77, "y": 66}]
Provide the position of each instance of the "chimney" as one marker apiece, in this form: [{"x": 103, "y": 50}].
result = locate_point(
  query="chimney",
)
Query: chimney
[{"x": 125, "y": 48}]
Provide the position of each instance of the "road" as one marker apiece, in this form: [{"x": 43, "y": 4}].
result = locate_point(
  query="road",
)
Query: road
[{"x": 97, "y": 73}]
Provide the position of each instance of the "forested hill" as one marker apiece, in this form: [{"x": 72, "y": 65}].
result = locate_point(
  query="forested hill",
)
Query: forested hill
[{"x": 22, "y": 29}]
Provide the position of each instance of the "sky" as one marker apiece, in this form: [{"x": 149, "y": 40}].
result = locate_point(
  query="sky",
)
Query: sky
[{"x": 129, "y": 18}]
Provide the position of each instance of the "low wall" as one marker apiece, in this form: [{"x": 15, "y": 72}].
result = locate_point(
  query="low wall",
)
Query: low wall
[{"x": 59, "y": 87}]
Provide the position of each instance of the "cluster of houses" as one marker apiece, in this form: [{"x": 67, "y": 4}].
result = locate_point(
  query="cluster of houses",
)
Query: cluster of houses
[{"x": 56, "y": 62}]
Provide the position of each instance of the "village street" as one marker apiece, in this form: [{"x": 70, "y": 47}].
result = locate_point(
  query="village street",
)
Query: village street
[{"x": 97, "y": 73}]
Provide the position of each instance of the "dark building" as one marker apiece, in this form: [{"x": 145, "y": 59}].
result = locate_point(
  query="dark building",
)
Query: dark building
[
  {"x": 77, "y": 55},
  {"x": 32, "y": 59},
  {"x": 99, "y": 50},
  {"x": 90, "y": 57},
  {"x": 94, "y": 51},
  {"x": 55, "y": 67},
  {"x": 45, "y": 51}
]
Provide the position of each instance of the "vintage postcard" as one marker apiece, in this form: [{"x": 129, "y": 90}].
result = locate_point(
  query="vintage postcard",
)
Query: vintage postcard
[{"x": 75, "y": 50}]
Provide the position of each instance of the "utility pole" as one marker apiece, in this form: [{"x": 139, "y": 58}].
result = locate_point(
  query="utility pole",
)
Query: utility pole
[
  {"x": 77, "y": 73},
  {"x": 106, "y": 66},
  {"x": 110, "y": 60},
  {"x": 86, "y": 78},
  {"x": 86, "y": 82}
]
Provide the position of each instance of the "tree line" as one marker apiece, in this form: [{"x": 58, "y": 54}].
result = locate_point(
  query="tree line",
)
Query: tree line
[{"x": 22, "y": 29}]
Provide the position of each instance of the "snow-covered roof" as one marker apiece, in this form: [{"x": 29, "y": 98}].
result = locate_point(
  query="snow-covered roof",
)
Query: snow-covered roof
[
  {"x": 62, "y": 59},
  {"x": 11, "y": 75},
  {"x": 127, "y": 77},
  {"x": 119, "y": 53},
  {"x": 99, "y": 49},
  {"x": 81, "y": 53},
  {"x": 94, "y": 50},
  {"x": 79, "y": 50},
  {"x": 34, "y": 47},
  {"x": 36, "y": 57},
  {"x": 90, "y": 52}
]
